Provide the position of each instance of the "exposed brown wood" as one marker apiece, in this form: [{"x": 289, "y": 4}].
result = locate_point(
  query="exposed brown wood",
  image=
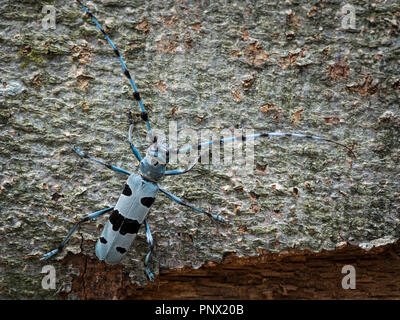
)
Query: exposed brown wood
[{"x": 284, "y": 275}]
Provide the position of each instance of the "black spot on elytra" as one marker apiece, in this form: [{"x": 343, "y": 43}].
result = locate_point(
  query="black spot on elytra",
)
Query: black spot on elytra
[
  {"x": 116, "y": 220},
  {"x": 127, "y": 191},
  {"x": 120, "y": 250},
  {"x": 147, "y": 201},
  {"x": 129, "y": 226},
  {"x": 103, "y": 240}
]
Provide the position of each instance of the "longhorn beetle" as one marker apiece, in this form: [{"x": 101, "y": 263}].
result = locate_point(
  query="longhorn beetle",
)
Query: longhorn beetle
[{"x": 141, "y": 188}]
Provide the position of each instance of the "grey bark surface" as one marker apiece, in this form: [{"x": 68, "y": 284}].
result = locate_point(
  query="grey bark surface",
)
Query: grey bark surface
[{"x": 284, "y": 66}]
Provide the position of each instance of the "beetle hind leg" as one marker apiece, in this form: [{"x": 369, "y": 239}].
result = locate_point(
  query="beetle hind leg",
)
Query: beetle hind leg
[{"x": 151, "y": 244}]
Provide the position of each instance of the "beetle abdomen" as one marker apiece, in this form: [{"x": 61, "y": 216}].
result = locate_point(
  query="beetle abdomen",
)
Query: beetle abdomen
[{"x": 124, "y": 222}]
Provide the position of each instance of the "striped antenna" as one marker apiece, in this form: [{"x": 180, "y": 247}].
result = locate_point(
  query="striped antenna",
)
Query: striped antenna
[
  {"x": 136, "y": 94},
  {"x": 261, "y": 135}
]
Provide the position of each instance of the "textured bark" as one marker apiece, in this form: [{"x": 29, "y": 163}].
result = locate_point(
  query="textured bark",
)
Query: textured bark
[{"x": 266, "y": 65}]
